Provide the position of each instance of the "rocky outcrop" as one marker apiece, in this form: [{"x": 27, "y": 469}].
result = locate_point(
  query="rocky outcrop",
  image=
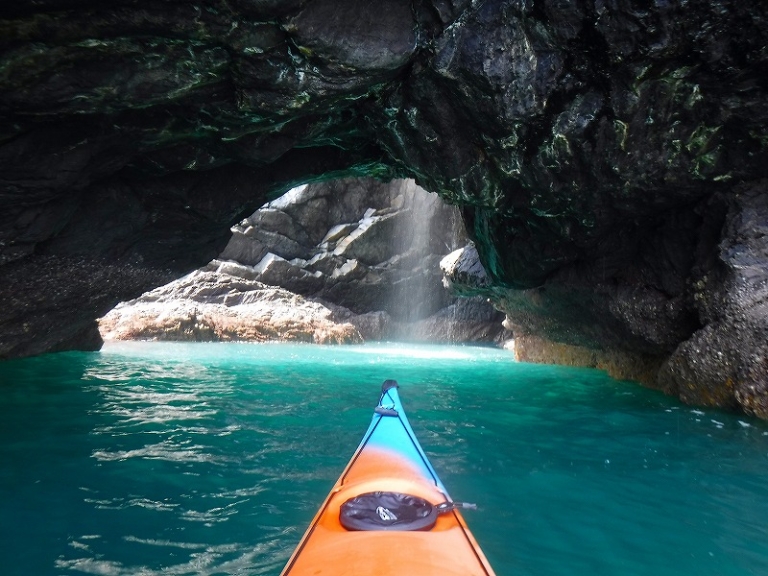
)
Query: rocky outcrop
[
  {"x": 361, "y": 244},
  {"x": 725, "y": 363},
  {"x": 364, "y": 249},
  {"x": 594, "y": 147},
  {"x": 211, "y": 305},
  {"x": 725, "y": 296}
]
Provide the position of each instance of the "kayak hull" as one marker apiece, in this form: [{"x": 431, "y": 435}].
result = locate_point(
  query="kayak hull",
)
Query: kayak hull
[{"x": 389, "y": 459}]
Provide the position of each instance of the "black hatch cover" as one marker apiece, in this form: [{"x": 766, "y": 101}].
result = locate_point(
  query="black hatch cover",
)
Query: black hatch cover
[{"x": 387, "y": 511}]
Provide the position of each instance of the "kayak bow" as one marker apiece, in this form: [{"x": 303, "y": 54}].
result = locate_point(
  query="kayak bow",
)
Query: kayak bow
[{"x": 388, "y": 514}]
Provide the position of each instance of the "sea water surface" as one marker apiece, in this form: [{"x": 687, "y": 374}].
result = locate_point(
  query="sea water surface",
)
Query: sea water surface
[{"x": 211, "y": 459}]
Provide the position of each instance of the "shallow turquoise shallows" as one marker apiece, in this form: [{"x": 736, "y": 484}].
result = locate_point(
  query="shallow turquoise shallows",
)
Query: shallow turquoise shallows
[{"x": 211, "y": 459}]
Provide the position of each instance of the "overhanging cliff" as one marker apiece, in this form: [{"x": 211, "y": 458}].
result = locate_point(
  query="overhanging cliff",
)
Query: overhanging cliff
[{"x": 608, "y": 155}]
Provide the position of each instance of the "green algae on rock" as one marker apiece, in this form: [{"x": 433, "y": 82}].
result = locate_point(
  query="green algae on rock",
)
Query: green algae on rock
[{"x": 595, "y": 149}]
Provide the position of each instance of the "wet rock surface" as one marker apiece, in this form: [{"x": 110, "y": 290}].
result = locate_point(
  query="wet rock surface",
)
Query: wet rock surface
[
  {"x": 725, "y": 363},
  {"x": 601, "y": 152},
  {"x": 211, "y": 305},
  {"x": 357, "y": 243},
  {"x": 363, "y": 251}
]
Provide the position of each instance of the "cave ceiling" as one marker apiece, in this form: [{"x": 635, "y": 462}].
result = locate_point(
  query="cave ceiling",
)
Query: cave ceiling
[{"x": 588, "y": 142}]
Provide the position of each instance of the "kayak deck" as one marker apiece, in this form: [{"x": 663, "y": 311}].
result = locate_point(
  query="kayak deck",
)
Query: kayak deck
[{"x": 389, "y": 459}]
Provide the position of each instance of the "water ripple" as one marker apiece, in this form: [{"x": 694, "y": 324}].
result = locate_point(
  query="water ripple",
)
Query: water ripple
[
  {"x": 122, "y": 504},
  {"x": 214, "y": 515},
  {"x": 203, "y": 460},
  {"x": 204, "y": 560},
  {"x": 165, "y": 450}
]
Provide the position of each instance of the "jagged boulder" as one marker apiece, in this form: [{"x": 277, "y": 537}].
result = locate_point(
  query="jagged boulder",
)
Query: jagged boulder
[
  {"x": 372, "y": 240},
  {"x": 228, "y": 306},
  {"x": 377, "y": 274},
  {"x": 277, "y": 271},
  {"x": 463, "y": 273},
  {"x": 366, "y": 245}
]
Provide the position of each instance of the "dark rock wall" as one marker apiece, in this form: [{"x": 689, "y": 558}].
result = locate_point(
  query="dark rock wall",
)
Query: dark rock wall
[
  {"x": 601, "y": 150},
  {"x": 725, "y": 363}
]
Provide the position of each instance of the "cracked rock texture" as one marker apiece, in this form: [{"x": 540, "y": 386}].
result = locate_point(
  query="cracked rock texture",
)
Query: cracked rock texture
[
  {"x": 356, "y": 260},
  {"x": 208, "y": 305},
  {"x": 608, "y": 155}
]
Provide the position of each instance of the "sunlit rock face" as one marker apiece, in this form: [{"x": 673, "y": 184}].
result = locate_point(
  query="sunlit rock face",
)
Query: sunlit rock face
[
  {"x": 214, "y": 305},
  {"x": 608, "y": 156},
  {"x": 357, "y": 243},
  {"x": 348, "y": 260}
]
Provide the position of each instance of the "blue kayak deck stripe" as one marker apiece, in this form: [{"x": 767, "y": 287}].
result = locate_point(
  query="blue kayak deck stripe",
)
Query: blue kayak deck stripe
[
  {"x": 422, "y": 462},
  {"x": 398, "y": 437}
]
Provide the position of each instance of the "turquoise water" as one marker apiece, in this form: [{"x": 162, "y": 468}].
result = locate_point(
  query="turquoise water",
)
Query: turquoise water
[{"x": 211, "y": 459}]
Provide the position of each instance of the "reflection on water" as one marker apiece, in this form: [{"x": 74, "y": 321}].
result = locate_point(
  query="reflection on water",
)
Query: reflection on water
[
  {"x": 212, "y": 459},
  {"x": 203, "y": 560}
]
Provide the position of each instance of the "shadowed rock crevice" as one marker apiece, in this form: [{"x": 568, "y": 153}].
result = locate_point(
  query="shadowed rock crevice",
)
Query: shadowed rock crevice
[
  {"x": 723, "y": 363},
  {"x": 593, "y": 147}
]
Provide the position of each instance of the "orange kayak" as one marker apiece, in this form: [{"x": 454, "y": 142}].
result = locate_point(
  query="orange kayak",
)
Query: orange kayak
[{"x": 388, "y": 514}]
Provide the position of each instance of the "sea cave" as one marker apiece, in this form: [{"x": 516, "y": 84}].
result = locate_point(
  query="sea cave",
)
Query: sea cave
[{"x": 607, "y": 159}]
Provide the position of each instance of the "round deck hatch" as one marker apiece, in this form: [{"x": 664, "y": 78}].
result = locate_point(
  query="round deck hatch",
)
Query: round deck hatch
[{"x": 387, "y": 511}]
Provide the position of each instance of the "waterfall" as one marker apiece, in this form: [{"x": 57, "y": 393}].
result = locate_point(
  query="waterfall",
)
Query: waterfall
[
  {"x": 429, "y": 230},
  {"x": 366, "y": 252}
]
